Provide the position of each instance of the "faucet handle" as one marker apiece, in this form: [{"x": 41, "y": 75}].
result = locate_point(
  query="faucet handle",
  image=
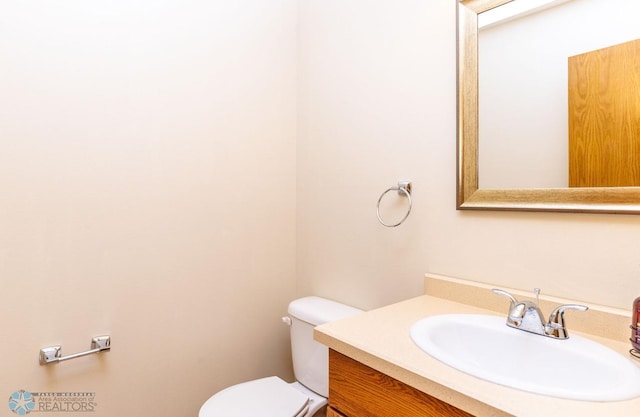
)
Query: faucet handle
[
  {"x": 556, "y": 325},
  {"x": 503, "y": 293}
]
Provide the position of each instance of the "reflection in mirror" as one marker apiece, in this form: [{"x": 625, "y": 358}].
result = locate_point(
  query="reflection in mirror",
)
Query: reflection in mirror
[
  {"x": 527, "y": 57},
  {"x": 513, "y": 136},
  {"x": 604, "y": 117}
]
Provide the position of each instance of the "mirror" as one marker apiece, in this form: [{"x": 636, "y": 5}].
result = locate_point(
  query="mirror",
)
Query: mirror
[{"x": 625, "y": 200}]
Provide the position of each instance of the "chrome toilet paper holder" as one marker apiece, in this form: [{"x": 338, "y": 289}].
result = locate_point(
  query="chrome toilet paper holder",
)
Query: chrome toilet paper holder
[{"x": 53, "y": 354}]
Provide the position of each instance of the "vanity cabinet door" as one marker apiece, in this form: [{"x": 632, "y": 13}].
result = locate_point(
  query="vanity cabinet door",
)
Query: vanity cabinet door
[
  {"x": 356, "y": 390},
  {"x": 332, "y": 412}
]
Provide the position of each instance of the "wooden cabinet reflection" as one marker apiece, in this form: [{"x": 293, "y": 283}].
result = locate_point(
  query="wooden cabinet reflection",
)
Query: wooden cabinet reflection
[{"x": 604, "y": 117}]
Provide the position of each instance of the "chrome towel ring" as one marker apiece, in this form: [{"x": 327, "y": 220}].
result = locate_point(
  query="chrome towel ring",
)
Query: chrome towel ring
[{"x": 403, "y": 188}]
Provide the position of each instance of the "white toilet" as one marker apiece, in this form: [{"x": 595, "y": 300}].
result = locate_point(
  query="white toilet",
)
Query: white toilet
[{"x": 273, "y": 397}]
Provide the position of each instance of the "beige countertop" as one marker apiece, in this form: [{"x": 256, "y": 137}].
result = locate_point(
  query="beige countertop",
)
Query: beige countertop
[{"x": 380, "y": 339}]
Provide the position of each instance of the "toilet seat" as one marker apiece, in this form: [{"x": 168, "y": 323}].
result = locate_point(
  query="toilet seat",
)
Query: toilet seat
[{"x": 266, "y": 397}]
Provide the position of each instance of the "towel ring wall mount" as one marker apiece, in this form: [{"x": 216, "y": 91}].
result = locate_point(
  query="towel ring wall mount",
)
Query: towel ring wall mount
[{"x": 404, "y": 188}]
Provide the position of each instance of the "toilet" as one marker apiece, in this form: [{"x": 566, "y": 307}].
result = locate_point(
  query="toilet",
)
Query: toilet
[{"x": 273, "y": 397}]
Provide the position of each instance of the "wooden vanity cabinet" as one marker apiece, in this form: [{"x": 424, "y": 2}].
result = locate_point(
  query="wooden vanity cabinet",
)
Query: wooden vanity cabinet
[
  {"x": 332, "y": 412},
  {"x": 356, "y": 390}
]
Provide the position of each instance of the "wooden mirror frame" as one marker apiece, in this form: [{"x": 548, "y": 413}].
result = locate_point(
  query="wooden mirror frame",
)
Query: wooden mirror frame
[{"x": 618, "y": 200}]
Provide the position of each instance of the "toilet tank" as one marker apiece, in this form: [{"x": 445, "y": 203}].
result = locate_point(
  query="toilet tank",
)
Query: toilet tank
[{"x": 310, "y": 358}]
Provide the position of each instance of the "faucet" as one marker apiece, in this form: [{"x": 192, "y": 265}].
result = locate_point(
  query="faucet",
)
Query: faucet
[{"x": 526, "y": 315}]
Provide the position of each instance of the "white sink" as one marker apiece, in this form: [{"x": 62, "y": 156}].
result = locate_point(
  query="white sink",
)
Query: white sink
[{"x": 483, "y": 346}]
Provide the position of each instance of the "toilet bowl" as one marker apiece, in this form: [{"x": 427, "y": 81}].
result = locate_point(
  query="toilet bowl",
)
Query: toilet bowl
[
  {"x": 272, "y": 396},
  {"x": 266, "y": 397}
]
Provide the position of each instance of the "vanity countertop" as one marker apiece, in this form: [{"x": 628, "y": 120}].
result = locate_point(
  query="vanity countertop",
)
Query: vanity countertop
[{"x": 380, "y": 339}]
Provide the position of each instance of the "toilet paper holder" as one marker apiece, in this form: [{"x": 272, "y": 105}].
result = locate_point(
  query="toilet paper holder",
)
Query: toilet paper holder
[{"x": 53, "y": 354}]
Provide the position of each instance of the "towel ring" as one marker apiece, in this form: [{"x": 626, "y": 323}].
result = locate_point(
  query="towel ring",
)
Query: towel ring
[{"x": 403, "y": 187}]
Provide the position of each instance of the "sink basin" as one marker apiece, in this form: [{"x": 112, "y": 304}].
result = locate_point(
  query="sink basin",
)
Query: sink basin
[{"x": 483, "y": 346}]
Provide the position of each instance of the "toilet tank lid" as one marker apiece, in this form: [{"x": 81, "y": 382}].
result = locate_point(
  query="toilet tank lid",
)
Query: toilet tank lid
[{"x": 317, "y": 310}]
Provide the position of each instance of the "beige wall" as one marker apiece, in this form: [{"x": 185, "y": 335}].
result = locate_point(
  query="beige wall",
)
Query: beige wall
[
  {"x": 377, "y": 105},
  {"x": 147, "y": 179}
]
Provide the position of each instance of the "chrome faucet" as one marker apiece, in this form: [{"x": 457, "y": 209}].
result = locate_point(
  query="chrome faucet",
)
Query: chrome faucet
[{"x": 526, "y": 315}]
